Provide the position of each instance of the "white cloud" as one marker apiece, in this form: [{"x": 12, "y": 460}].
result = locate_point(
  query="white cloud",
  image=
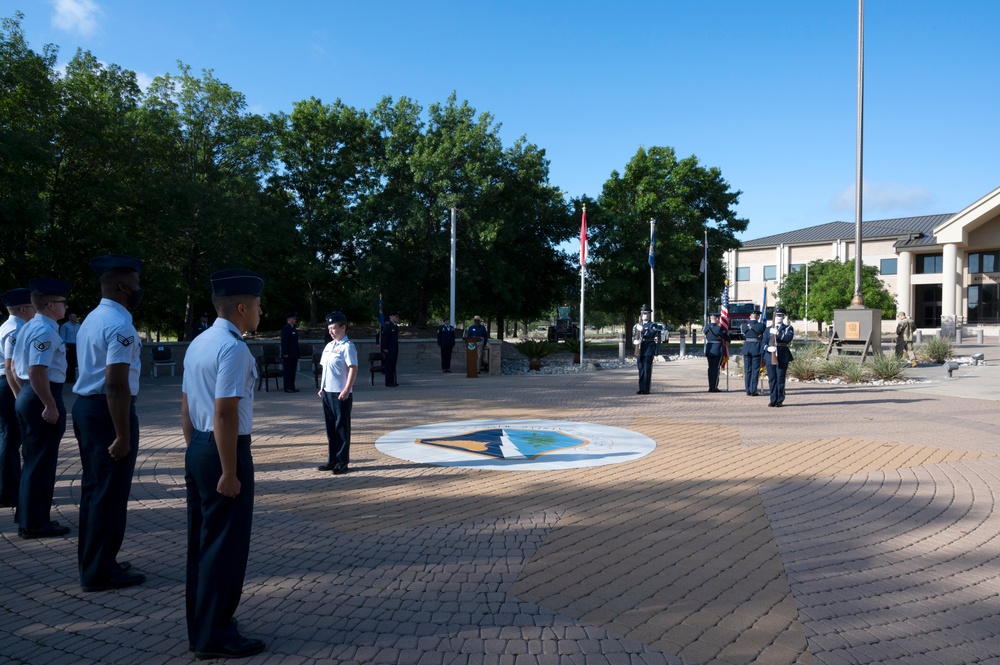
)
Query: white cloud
[
  {"x": 79, "y": 16},
  {"x": 884, "y": 197}
]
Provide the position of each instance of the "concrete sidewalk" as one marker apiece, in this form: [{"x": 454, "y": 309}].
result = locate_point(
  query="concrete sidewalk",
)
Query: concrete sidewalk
[{"x": 855, "y": 525}]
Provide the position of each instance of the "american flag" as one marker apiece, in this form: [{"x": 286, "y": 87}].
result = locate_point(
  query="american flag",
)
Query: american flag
[
  {"x": 583, "y": 238},
  {"x": 724, "y": 323}
]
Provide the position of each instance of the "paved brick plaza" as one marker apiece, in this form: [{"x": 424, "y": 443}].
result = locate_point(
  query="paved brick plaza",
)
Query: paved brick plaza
[{"x": 856, "y": 525}]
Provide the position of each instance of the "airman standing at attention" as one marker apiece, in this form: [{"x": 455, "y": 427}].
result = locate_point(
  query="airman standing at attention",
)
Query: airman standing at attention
[
  {"x": 105, "y": 422},
  {"x": 777, "y": 355},
  {"x": 446, "y": 340},
  {"x": 753, "y": 335},
  {"x": 390, "y": 347},
  {"x": 714, "y": 337},
  {"x": 290, "y": 352},
  {"x": 904, "y": 338},
  {"x": 18, "y": 304},
  {"x": 645, "y": 337},
  {"x": 217, "y": 418},
  {"x": 40, "y": 362}
]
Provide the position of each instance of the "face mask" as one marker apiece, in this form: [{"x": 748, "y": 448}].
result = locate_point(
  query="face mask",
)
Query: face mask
[
  {"x": 645, "y": 317},
  {"x": 778, "y": 319},
  {"x": 134, "y": 298}
]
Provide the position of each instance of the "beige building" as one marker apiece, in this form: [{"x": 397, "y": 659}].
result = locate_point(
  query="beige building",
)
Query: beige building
[{"x": 944, "y": 270}]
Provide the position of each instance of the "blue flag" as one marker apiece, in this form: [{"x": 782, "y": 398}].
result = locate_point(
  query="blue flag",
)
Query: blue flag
[
  {"x": 652, "y": 246},
  {"x": 381, "y": 317}
]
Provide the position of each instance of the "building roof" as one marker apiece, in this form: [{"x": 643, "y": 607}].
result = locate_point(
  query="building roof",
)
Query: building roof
[{"x": 911, "y": 232}]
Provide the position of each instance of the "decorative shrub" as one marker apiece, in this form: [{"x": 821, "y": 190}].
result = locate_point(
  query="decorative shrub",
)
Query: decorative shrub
[
  {"x": 936, "y": 350},
  {"x": 887, "y": 368}
]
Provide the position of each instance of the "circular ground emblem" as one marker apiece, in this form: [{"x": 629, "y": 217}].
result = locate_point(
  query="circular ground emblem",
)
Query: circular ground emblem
[{"x": 521, "y": 445}]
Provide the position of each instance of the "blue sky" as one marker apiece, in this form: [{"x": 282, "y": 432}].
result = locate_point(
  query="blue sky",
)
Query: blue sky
[{"x": 765, "y": 91}]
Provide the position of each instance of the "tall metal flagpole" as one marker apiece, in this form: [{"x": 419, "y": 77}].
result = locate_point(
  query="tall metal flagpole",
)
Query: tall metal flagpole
[
  {"x": 704, "y": 320},
  {"x": 859, "y": 300},
  {"x": 583, "y": 260},
  {"x": 652, "y": 270},
  {"x": 451, "y": 313}
]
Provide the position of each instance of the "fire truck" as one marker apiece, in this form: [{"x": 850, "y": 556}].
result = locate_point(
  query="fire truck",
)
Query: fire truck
[{"x": 739, "y": 313}]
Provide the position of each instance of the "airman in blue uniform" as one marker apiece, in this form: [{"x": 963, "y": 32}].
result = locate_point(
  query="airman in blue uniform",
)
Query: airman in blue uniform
[
  {"x": 390, "y": 348},
  {"x": 446, "y": 340},
  {"x": 217, "y": 419},
  {"x": 105, "y": 422},
  {"x": 777, "y": 355},
  {"x": 753, "y": 336},
  {"x": 646, "y": 338},
  {"x": 18, "y": 304},
  {"x": 290, "y": 352},
  {"x": 714, "y": 338},
  {"x": 40, "y": 362}
]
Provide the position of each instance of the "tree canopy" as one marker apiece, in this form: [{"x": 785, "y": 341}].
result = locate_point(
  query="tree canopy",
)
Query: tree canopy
[
  {"x": 831, "y": 286},
  {"x": 334, "y": 205}
]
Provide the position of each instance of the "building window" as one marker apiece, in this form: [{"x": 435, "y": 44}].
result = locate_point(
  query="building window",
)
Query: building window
[
  {"x": 743, "y": 274},
  {"x": 980, "y": 262},
  {"x": 930, "y": 263},
  {"x": 795, "y": 267},
  {"x": 770, "y": 272},
  {"x": 887, "y": 267},
  {"x": 983, "y": 303}
]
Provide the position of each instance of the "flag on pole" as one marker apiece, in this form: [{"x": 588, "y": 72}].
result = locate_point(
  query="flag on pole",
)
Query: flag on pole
[
  {"x": 652, "y": 245},
  {"x": 724, "y": 324},
  {"x": 704, "y": 256},
  {"x": 583, "y": 238},
  {"x": 381, "y": 317},
  {"x": 763, "y": 308}
]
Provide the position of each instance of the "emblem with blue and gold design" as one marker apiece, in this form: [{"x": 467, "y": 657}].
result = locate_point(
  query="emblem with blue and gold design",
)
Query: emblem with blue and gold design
[{"x": 516, "y": 444}]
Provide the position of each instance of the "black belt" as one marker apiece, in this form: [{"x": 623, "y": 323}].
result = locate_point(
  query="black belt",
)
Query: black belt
[{"x": 103, "y": 396}]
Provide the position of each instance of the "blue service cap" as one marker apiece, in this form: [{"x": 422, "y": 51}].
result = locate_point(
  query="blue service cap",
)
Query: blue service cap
[
  {"x": 237, "y": 282},
  {"x": 336, "y": 317},
  {"x": 16, "y": 297},
  {"x": 780, "y": 310},
  {"x": 105, "y": 262},
  {"x": 48, "y": 286}
]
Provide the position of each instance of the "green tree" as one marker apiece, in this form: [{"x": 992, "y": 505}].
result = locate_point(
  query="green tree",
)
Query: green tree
[
  {"x": 29, "y": 108},
  {"x": 208, "y": 210},
  {"x": 685, "y": 199},
  {"x": 327, "y": 158},
  {"x": 831, "y": 286}
]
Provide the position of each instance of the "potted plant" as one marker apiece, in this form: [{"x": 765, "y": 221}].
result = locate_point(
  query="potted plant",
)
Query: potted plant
[{"x": 535, "y": 350}]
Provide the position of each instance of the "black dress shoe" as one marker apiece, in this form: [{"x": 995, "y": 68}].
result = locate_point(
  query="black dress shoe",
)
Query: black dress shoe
[
  {"x": 291, "y": 390},
  {"x": 771, "y": 404},
  {"x": 779, "y": 403},
  {"x": 122, "y": 580},
  {"x": 8, "y": 504},
  {"x": 50, "y": 530},
  {"x": 123, "y": 565},
  {"x": 339, "y": 469},
  {"x": 241, "y": 647},
  {"x": 326, "y": 467}
]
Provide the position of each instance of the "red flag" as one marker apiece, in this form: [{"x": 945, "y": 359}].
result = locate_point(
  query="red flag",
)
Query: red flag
[{"x": 583, "y": 238}]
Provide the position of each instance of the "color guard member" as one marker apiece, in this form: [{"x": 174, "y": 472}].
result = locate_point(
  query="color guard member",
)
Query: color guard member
[
  {"x": 217, "y": 417},
  {"x": 753, "y": 336},
  {"x": 105, "y": 422},
  {"x": 777, "y": 355},
  {"x": 714, "y": 338},
  {"x": 645, "y": 337},
  {"x": 290, "y": 352},
  {"x": 390, "y": 348},
  {"x": 446, "y": 340}
]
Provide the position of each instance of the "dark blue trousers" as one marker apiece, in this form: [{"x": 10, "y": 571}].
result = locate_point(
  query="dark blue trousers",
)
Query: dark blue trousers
[
  {"x": 645, "y": 365},
  {"x": 289, "y": 367},
  {"x": 104, "y": 489},
  {"x": 40, "y": 447},
  {"x": 713, "y": 371},
  {"x": 10, "y": 446},
  {"x": 446, "y": 357},
  {"x": 338, "y": 427},
  {"x": 751, "y": 372},
  {"x": 776, "y": 381},
  {"x": 218, "y": 541},
  {"x": 390, "y": 368}
]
